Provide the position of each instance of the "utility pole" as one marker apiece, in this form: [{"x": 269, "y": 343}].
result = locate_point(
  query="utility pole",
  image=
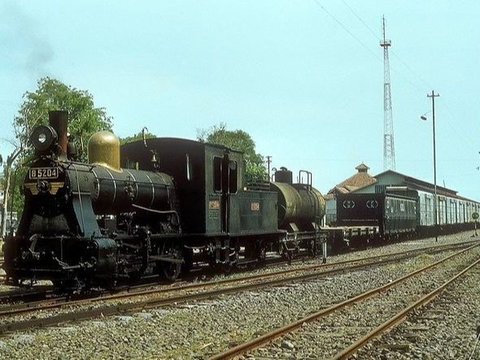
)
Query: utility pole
[
  {"x": 433, "y": 96},
  {"x": 269, "y": 161},
  {"x": 388, "y": 137}
]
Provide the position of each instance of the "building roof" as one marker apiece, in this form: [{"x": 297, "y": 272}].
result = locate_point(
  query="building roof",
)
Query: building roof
[
  {"x": 361, "y": 179},
  {"x": 416, "y": 184}
]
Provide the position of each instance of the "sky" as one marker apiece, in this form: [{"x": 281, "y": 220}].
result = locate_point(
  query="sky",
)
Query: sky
[{"x": 303, "y": 77}]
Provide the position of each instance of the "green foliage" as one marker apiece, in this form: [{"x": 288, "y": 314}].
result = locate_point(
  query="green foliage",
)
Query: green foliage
[
  {"x": 15, "y": 203},
  {"x": 255, "y": 169},
  {"x": 136, "y": 137},
  {"x": 83, "y": 117}
]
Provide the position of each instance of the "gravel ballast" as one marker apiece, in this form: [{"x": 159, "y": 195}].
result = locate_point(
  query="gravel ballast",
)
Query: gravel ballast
[{"x": 202, "y": 329}]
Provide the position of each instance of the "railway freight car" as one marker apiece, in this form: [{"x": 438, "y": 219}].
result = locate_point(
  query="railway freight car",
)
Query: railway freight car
[
  {"x": 400, "y": 211},
  {"x": 395, "y": 215},
  {"x": 301, "y": 209},
  {"x": 453, "y": 213}
]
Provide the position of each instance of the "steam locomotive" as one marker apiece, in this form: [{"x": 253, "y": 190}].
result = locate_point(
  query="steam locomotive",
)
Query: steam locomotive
[{"x": 155, "y": 206}]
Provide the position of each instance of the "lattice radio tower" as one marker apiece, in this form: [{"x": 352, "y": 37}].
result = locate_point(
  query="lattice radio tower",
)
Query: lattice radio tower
[{"x": 388, "y": 138}]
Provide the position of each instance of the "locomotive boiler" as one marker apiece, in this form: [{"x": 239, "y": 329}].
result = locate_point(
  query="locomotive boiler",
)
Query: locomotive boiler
[{"x": 87, "y": 224}]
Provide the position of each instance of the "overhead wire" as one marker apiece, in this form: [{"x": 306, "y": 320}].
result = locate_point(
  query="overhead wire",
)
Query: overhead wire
[
  {"x": 419, "y": 80},
  {"x": 356, "y": 38},
  {"x": 344, "y": 27}
]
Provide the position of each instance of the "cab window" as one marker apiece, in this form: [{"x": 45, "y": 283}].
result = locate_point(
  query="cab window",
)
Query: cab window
[
  {"x": 233, "y": 177},
  {"x": 217, "y": 174}
]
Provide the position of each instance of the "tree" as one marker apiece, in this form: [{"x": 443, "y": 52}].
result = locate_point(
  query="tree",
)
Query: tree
[
  {"x": 84, "y": 120},
  {"x": 7, "y": 180},
  {"x": 139, "y": 136},
  {"x": 238, "y": 140}
]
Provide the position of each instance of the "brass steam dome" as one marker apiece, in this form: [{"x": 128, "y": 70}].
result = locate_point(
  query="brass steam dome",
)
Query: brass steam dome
[{"x": 104, "y": 149}]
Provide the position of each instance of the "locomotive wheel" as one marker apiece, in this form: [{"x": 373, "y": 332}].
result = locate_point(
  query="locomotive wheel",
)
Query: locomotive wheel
[
  {"x": 262, "y": 253},
  {"x": 187, "y": 260},
  {"x": 171, "y": 270},
  {"x": 233, "y": 257}
]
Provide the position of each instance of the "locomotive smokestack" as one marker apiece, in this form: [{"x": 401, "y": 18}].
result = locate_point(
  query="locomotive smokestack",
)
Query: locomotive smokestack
[{"x": 59, "y": 121}]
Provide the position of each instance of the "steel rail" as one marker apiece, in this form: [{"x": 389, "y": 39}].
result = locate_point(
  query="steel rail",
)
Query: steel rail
[
  {"x": 52, "y": 304},
  {"x": 6, "y": 298},
  {"x": 403, "y": 254},
  {"x": 59, "y": 302},
  {"x": 273, "y": 335},
  {"x": 108, "y": 310},
  {"x": 401, "y": 316},
  {"x": 26, "y": 295}
]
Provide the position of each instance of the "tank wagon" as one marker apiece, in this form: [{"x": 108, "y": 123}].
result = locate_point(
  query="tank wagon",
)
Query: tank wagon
[
  {"x": 301, "y": 209},
  {"x": 155, "y": 206}
]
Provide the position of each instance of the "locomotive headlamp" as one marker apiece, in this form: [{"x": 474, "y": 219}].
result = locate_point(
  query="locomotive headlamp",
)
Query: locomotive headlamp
[{"x": 43, "y": 137}]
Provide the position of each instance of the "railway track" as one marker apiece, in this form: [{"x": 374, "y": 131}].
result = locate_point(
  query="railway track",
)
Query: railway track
[
  {"x": 452, "y": 315},
  {"x": 131, "y": 301},
  {"x": 46, "y": 293},
  {"x": 390, "y": 300},
  {"x": 400, "y": 316},
  {"x": 25, "y": 295},
  {"x": 34, "y": 298}
]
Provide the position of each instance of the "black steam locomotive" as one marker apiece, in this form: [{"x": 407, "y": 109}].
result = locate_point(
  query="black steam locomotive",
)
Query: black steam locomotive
[{"x": 155, "y": 206}]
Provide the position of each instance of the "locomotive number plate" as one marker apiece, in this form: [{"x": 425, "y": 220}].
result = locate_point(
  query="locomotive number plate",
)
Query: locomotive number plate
[{"x": 43, "y": 173}]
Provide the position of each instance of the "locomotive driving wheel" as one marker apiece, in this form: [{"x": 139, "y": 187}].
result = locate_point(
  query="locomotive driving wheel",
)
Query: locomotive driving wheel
[
  {"x": 171, "y": 269},
  {"x": 231, "y": 260},
  {"x": 262, "y": 252}
]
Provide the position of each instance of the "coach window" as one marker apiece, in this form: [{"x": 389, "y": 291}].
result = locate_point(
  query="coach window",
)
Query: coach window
[
  {"x": 217, "y": 174},
  {"x": 232, "y": 176}
]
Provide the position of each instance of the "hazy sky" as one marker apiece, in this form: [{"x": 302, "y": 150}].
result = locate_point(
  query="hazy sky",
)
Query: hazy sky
[{"x": 303, "y": 78}]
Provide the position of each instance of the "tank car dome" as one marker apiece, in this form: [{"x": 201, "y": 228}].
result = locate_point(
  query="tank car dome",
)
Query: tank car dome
[{"x": 104, "y": 149}]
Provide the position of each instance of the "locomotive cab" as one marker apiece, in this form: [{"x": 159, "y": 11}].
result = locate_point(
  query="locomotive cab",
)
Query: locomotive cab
[{"x": 223, "y": 222}]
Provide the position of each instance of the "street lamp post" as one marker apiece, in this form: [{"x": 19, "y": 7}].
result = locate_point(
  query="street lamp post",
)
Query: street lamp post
[{"x": 423, "y": 117}]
